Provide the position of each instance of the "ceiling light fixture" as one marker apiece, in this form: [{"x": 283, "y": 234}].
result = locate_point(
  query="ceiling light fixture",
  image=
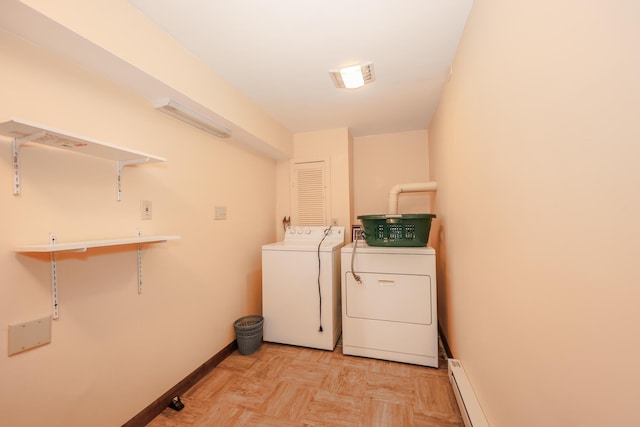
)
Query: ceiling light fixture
[
  {"x": 353, "y": 77},
  {"x": 194, "y": 118}
]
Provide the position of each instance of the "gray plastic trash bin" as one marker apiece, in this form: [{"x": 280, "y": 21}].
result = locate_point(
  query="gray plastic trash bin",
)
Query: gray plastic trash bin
[{"x": 249, "y": 333}]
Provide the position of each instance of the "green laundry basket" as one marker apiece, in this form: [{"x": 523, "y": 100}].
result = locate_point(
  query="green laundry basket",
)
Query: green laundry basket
[
  {"x": 249, "y": 333},
  {"x": 396, "y": 230}
]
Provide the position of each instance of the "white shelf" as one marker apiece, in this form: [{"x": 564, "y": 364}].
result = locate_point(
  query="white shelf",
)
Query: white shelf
[
  {"x": 18, "y": 128},
  {"x": 23, "y": 131},
  {"x": 53, "y": 246},
  {"x": 87, "y": 244}
]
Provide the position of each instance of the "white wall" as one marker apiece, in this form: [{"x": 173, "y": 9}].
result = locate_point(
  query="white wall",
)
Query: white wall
[
  {"x": 382, "y": 161},
  {"x": 113, "y": 351},
  {"x": 535, "y": 150}
]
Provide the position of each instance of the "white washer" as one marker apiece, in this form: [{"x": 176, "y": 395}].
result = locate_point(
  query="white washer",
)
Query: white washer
[
  {"x": 301, "y": 287},
  {"x": 392, "y": 313}
]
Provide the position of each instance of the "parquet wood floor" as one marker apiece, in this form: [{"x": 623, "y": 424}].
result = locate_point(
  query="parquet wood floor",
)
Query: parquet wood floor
[{"x": 283, "y": 386}]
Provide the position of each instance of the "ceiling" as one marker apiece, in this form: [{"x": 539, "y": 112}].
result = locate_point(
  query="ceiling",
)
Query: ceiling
[{"x": 279, "y": 54}]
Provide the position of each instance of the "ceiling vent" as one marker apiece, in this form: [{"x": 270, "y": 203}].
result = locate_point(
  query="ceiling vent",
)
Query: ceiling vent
[
  {"x": 191, "y": 117},
  {"x": 353, "y": 77}
]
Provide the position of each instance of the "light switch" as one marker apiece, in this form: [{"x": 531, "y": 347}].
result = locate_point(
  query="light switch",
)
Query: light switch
[{"x": 220, "y": 212}]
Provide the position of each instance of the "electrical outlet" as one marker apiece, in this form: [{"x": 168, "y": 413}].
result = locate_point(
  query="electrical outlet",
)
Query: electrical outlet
[{"x": 145, "y": 209}]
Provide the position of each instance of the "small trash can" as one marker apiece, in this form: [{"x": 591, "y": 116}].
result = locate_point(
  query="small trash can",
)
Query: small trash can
[{"x": 249, "y": 333}]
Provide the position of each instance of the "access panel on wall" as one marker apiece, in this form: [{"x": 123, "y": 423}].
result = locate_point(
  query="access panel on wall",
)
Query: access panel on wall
[{"x": 309, "y": 192}]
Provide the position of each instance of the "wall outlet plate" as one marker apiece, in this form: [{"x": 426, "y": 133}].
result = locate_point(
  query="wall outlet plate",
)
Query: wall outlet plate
[{"x": 27, "y": 335}]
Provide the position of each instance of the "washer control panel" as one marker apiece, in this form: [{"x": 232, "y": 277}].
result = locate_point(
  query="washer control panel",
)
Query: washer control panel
[{"x": 314, "y": 234}]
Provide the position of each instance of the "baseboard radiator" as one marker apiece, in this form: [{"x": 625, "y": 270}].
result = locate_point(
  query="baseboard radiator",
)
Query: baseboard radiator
[{"x": 470, "y": 409}]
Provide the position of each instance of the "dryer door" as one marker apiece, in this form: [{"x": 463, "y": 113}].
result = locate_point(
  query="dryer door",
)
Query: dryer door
[{"x": 389, "y": 297}]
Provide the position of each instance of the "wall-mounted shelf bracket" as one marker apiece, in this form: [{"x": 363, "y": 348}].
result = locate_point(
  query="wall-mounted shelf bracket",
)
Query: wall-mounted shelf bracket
[
  {"x": 120, "y": 164},
  {"x": 139, "y": 265},
  {"x": 17, "y": 144},
  {"x": 54, "y": 279}
]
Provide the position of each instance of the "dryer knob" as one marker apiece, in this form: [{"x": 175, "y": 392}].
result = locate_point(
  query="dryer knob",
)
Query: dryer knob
[{"x": 307, "y": 231}]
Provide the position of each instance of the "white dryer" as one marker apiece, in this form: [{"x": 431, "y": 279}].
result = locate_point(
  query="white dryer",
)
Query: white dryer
[
  {"x": 390, "y": 313},
  {"x": 301, "y": 299}
]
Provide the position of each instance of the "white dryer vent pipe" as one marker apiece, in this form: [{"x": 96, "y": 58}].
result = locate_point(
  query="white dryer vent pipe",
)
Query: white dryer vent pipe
[{"x": 407, "y": 188}]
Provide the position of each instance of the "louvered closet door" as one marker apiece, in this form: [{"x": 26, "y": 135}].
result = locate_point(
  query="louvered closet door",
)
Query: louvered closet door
[{"x": 309, "y": 193}]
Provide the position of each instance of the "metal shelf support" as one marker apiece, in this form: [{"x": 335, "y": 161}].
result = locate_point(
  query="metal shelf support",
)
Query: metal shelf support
[
  {"x": 17, "y": 144},
  {"x": 120, "y": 164},
  {"x": 54, "y": 280},
  {"x": 139, "y": 265}
]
